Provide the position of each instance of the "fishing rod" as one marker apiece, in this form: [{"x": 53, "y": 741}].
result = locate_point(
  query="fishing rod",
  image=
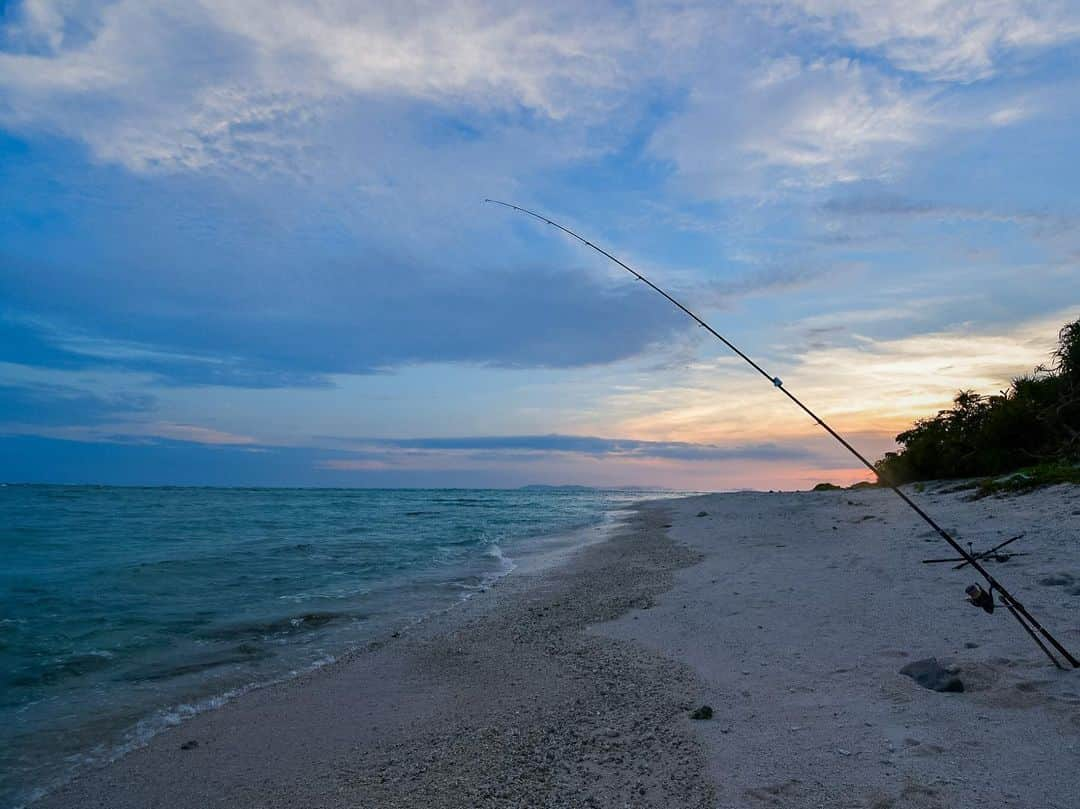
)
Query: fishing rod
[{"x": 977, "y": 595}]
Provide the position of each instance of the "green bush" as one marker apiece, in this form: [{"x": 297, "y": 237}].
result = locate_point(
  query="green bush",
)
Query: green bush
[
  {"x": 1035, "y": 422},
  {"x": 1029, "y": 478}
]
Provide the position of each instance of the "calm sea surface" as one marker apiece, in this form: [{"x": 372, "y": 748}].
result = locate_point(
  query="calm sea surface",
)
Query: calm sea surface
[{"x": 124, "y": 610}]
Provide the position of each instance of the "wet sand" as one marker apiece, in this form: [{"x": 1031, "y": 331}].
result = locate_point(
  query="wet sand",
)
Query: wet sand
[{"x": 572, "y": 685}]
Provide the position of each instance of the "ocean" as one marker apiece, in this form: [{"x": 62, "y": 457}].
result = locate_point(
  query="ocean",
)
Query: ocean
[{"x": 124, "y": 610}]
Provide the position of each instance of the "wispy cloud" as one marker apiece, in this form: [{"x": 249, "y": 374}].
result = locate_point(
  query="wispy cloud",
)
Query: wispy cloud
[
  {"x": 41, "y": 403},
  {"x": 796, "y": 123},
  {"x": 895, "y": 205},
  {"x": 588, "y": 445},
  {"x": 194, "y": 434},
  {"x": 946, "y": 40},
  {"x": 870, "y": 386}
]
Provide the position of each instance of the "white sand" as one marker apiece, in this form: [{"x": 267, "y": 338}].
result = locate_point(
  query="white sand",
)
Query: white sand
[{"x": 798, "y": 631}]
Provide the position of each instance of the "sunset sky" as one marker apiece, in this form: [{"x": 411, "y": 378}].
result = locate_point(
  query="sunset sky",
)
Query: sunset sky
[{"x": 244, "y": 243}]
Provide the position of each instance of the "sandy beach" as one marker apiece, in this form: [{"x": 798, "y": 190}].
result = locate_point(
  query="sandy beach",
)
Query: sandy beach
[{"x": 572, "y": 684}]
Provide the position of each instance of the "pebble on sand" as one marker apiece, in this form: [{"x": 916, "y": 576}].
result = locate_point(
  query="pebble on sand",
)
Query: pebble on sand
[{"x": 704, "y": 712}]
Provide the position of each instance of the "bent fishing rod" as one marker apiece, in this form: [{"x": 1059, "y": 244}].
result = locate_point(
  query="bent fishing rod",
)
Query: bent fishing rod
[{"x": 976, "y": 595}]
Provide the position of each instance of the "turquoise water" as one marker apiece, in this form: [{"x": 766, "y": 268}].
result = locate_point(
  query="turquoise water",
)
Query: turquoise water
[{"x": 123, "y": 610}]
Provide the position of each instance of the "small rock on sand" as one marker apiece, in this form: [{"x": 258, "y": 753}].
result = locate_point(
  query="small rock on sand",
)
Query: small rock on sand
[
  {"x": 704, "y": 712},
  {"x": 930, "y": 674},
  {"x": 703, "y": 514},
  {"x": 191, "y": 744}
]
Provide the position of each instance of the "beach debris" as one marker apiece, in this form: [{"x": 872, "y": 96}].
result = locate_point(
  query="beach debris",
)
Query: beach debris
[
  {"x": 703, "y": 514},
  {"x": 190, "y": 744},
  {"x": 980, "y": 598},
  {"x": 704, "y": 712},
  {"x": 995, "y": 557},
  {"x": 990, "y": 552},
  {"x": 1005, "y": 557},
  {"x": 1027, "y": 621},
  {"x": 932, "y": 675}
]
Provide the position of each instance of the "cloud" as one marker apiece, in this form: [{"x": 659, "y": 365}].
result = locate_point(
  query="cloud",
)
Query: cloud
[
  {"x": 870, "y": 386},
  {"x": 890, "y": 204},
  {"x": 360, "y": 319},
  {"x": 157, "y": 86},
  {"x": 233, "y": 86},
  {"x": 590, "y": 445},
  {"x": 46, "y": 404},
  {"x": 36, "y": 342},
  {"x": 768, "y": 280},
  {"x": 945, "y": 40},
  {"x": 192, "y": 433},
  {"x": 188, "y": 455},
  {"x": 795, "y": 124},
  {"x": 236, "y": 86},
  {"x": 794, "y": 115},
  {"x": 35, "y": 459},
  {"x": 323, "y": 227}
]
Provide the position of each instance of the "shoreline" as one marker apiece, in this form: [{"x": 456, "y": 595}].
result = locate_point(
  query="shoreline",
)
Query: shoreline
[
  {"x": 496, "y": 685},
  {"x": 790, "y": 614},
  {"x": 47, "y": 761}
]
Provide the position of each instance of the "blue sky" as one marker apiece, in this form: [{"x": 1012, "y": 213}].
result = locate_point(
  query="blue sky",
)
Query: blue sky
[{"x": 246, "y": 245}]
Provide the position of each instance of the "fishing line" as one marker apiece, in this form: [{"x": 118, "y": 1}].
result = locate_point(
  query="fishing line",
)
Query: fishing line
[{"x": 1015, "y": 608}]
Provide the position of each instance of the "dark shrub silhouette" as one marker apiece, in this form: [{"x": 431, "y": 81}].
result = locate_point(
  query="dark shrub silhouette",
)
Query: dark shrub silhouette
[{"x": 1036, "y": 421}]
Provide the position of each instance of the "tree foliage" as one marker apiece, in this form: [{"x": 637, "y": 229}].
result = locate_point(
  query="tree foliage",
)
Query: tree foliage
[{"x": 1035, "y": 421}]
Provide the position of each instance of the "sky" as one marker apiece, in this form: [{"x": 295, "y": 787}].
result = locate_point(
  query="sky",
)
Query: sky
[{"x": 245, "y": 243}]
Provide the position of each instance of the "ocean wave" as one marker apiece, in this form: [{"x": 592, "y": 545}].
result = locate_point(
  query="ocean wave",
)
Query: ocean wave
[
  {"x": 52, "y": 672},
  {"x": 239, "y": 655},
  {"x": 288, "y": 625},
  {"x": 495, "y": 551}
]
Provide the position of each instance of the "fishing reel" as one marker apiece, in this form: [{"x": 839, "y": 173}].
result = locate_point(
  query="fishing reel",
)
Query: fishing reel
[{"x": 979, "y": 597}]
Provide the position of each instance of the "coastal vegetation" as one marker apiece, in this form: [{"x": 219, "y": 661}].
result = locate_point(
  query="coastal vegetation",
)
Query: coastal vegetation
[{"x": 1029, "y": 433}]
